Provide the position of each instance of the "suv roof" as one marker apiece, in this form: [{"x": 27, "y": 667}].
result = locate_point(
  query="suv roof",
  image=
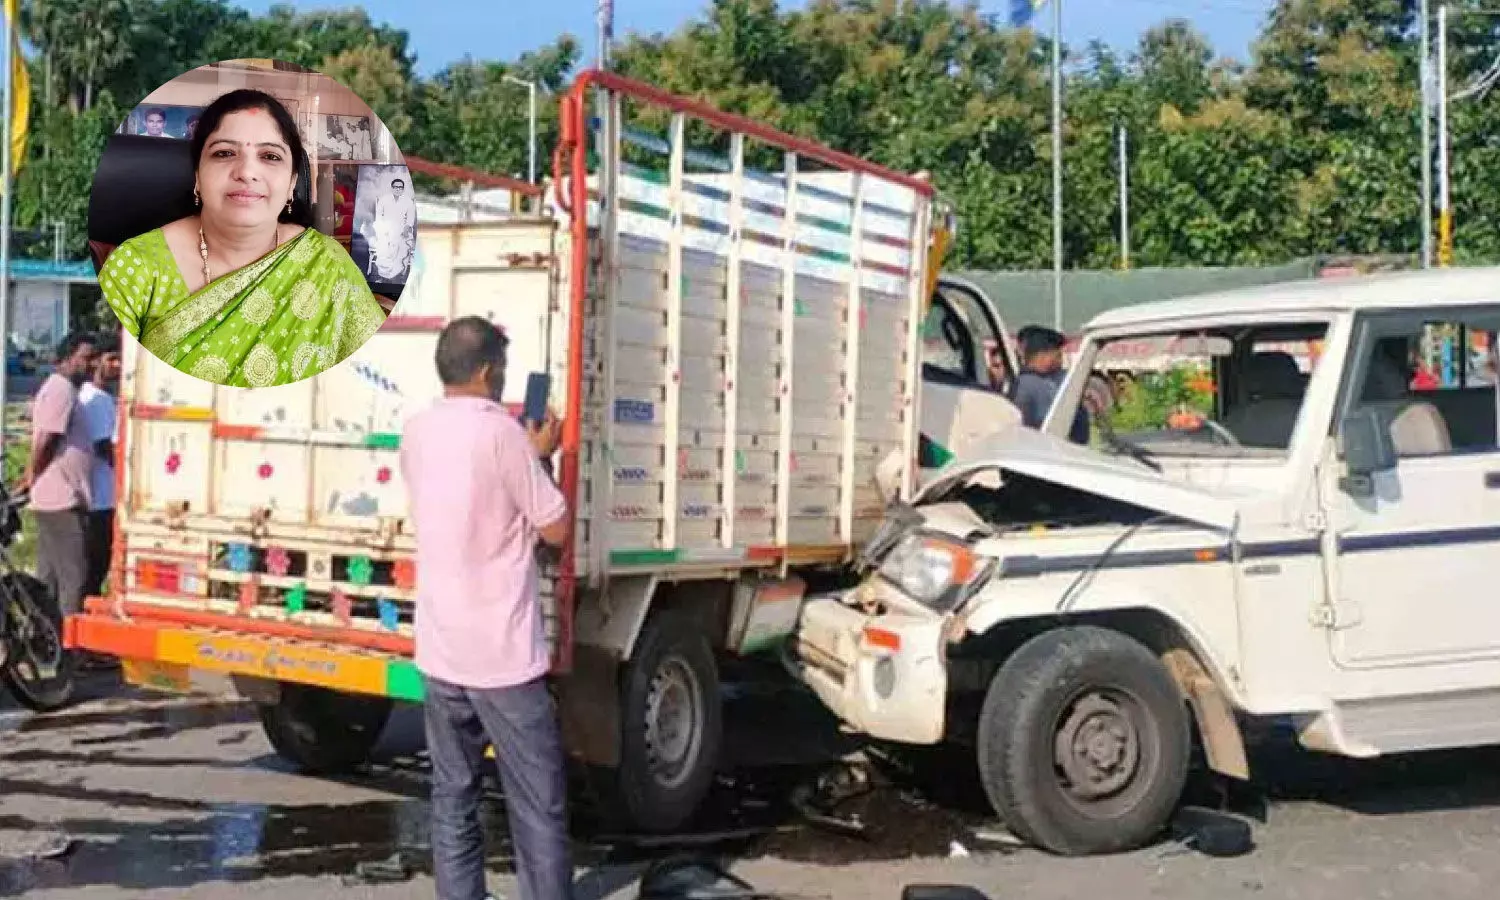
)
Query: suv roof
[{"x": 1396, "y": 291}]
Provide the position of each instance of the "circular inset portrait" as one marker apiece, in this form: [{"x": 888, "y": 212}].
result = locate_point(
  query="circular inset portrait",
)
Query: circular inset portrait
[{"x": 252, "y": 223}]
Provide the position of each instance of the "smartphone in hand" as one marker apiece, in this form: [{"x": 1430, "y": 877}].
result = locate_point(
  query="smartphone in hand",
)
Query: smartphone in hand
[{"x": 538, "y": 389}]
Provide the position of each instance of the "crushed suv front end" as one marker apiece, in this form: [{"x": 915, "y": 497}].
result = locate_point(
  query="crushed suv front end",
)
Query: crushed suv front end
[{"x": 875, "y": 655}]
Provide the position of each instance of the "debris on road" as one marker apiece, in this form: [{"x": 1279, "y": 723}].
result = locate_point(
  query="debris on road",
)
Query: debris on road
[
  {"x": 1210, "y": 832},
  {"x": 391, "y": 870},
  {"x": 21, "y": 846}
]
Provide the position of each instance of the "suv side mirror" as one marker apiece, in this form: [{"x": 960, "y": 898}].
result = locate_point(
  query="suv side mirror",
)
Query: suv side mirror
[{"x": 1368, "y": 449}]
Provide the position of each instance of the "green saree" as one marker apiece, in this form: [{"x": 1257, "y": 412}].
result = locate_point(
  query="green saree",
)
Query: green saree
[{"x": 289, "y": 315}]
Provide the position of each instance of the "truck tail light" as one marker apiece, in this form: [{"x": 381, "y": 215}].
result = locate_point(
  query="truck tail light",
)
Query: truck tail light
[{"x": 162, "y": 577}]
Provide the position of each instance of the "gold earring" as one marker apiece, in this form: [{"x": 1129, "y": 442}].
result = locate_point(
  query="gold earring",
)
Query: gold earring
[
  {"x": 197, "y": 201},
  {"x": 289, "y": 206}
]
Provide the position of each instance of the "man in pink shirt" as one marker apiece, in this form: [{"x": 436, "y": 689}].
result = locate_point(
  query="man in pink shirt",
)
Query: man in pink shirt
[
  {"x": 58, "y": 474},
  {"x": 480, "y": 499}
]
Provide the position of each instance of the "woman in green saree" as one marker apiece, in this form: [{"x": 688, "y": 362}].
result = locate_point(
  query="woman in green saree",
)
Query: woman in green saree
[{"x": 245, "y": 293}]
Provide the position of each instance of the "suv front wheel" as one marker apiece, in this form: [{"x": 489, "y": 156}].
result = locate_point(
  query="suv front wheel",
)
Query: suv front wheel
[{"x": 1084, "y": 742}]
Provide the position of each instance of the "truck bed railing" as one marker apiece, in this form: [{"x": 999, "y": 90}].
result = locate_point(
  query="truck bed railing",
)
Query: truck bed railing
[{"x": 577, "y": 160}]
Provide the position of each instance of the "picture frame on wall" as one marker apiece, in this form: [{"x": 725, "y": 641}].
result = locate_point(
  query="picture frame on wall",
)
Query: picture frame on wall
[
  {"x": 345, "y": 137},
  {"x": 385, "y": 226},
  {"x": 337, "y": 185},
  {"x": 163, "y": 121}
]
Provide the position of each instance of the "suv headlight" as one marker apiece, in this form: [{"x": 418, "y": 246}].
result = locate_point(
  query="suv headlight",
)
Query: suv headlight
[{"x": 937, "y": 572}]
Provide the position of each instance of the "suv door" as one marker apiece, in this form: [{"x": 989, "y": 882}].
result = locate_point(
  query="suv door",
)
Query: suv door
[
  {"x": 967, "y": 364},
  {"x": 1417, "y": 558}
]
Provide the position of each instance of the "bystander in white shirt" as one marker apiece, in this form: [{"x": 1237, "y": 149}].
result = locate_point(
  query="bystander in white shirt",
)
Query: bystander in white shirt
[{"x": 98, "y": 408}]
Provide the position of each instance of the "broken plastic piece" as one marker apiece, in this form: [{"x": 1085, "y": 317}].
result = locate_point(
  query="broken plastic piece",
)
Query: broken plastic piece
[
  {"x": 1211, "y": 832},
  {"x": 391, "y": 870}
]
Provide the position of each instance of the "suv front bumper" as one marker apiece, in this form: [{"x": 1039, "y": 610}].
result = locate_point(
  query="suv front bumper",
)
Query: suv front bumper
[{"x": 884, "y": 675}]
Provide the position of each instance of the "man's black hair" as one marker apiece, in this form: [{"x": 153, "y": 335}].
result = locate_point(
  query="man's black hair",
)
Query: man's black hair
[
  {"x": 396, "y": 181},
  {"x": 107, "y": 344},
  {"x": 72, "y": 341},
  {"x": 465, "y": 346},
  {"x": 1036, "y": 339}
]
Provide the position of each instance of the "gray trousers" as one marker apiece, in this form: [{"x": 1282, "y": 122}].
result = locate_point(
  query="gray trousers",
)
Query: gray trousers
[
  {"x": 62, "y": 562},
  {"x": 521, "y": 723}
]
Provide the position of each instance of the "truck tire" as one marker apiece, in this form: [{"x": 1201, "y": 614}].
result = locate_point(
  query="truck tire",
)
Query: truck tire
[
  {"x": 671, "y": 727},
  {"x": 324, "y": 732},
  {"x": 1084, "y": 742}
]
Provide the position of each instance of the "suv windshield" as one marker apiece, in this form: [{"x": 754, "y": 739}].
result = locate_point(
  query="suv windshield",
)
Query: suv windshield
[{"x": 1214, "y": 391}]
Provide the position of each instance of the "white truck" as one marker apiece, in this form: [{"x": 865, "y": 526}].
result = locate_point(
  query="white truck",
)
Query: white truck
[
  {"x": 736, "y": 354},
  {"x": 1312, "y": 551}
]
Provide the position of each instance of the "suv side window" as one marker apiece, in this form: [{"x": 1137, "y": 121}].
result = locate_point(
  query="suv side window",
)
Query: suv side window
[
  {"x": 1433, "y": 381},
  {"x": 942, "y": 351},
  {"x": 960, "y": 344}
]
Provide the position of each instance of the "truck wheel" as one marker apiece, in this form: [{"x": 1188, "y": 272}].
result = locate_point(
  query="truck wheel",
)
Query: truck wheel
[
  {"x": 1084, "y": 742},
  {"x": 671, "y": 724},
  {"x": 324, "y": 732}
]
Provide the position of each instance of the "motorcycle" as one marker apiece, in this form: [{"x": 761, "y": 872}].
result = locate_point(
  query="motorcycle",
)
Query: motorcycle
[{"x": 34, "y": 666}]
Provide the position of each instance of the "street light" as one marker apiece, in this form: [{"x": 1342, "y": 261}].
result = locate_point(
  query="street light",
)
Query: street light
[
  {"x": 530, "y": 87},
  {"x": 1487, "y": 81}
]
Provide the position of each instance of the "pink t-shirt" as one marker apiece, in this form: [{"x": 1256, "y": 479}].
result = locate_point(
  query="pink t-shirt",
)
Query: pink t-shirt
[
  {"x": 64, "y": 483},
  {"x": 478, "y": 497}
]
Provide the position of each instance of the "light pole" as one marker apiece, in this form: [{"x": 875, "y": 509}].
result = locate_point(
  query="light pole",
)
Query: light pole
[
  {"x": 1057, "y": 167},
  {"x": 1124, "y": 199},
  {"x": 530, "y": 87},
  {"x": 1445, "y": 211},
  {"x": 1425, "y": 32}
]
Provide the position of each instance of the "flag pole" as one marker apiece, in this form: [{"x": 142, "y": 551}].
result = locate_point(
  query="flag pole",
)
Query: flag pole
[
  {"x": 1057, "y": 167},
  {"x": 6, "y": 164}
]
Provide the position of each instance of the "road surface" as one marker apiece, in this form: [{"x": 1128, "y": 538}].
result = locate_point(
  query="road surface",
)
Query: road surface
[{"x": 181, "y": 797}]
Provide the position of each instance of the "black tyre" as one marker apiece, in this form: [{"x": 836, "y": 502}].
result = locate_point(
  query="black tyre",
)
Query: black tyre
[
  {"x": 671, "y": 727},
  {"x": 1084, "y": 742},
  {"x": 40, "y": 674},
  {"x": 324, "y": 732}
]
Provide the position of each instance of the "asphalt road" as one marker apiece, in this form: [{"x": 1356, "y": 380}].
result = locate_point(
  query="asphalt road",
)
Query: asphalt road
[{"x": 181, "y": 797}]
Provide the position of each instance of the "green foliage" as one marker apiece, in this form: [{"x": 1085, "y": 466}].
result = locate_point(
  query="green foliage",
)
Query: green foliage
[
  {"x": 1308, "y": 147},
  {"x": 1146, "y": 403}
]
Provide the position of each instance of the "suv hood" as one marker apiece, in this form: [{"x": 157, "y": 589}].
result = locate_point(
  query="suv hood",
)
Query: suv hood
[{"x": 1034, "y": 454}]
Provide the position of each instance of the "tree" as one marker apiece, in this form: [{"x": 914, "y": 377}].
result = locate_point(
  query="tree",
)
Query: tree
[
  {"x": 171, "y": 37},
  {"x": 375, "y": 75},
  {"x": 56, "y": 186},
  {"x": 87, "y": 39},
  {"x": 470, "y": 115}
]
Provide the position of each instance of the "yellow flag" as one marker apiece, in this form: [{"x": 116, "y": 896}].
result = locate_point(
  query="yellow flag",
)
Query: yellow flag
[{"x": 20, "y": 87}]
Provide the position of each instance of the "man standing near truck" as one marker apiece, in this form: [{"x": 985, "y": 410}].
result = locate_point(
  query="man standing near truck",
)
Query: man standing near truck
[
  {"x": 57, "y": 474},
  {"x": 480, "y": 499},
  {"x": 1041, "y": 376},
  {"x": 96, "y": 402}
]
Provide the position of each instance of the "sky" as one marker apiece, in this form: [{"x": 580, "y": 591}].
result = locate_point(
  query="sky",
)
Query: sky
[{"x": 443, "y": 31}]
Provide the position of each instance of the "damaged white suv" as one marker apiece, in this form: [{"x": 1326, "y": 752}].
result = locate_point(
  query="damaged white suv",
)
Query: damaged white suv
[{"x": 1297, "y": 521}]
